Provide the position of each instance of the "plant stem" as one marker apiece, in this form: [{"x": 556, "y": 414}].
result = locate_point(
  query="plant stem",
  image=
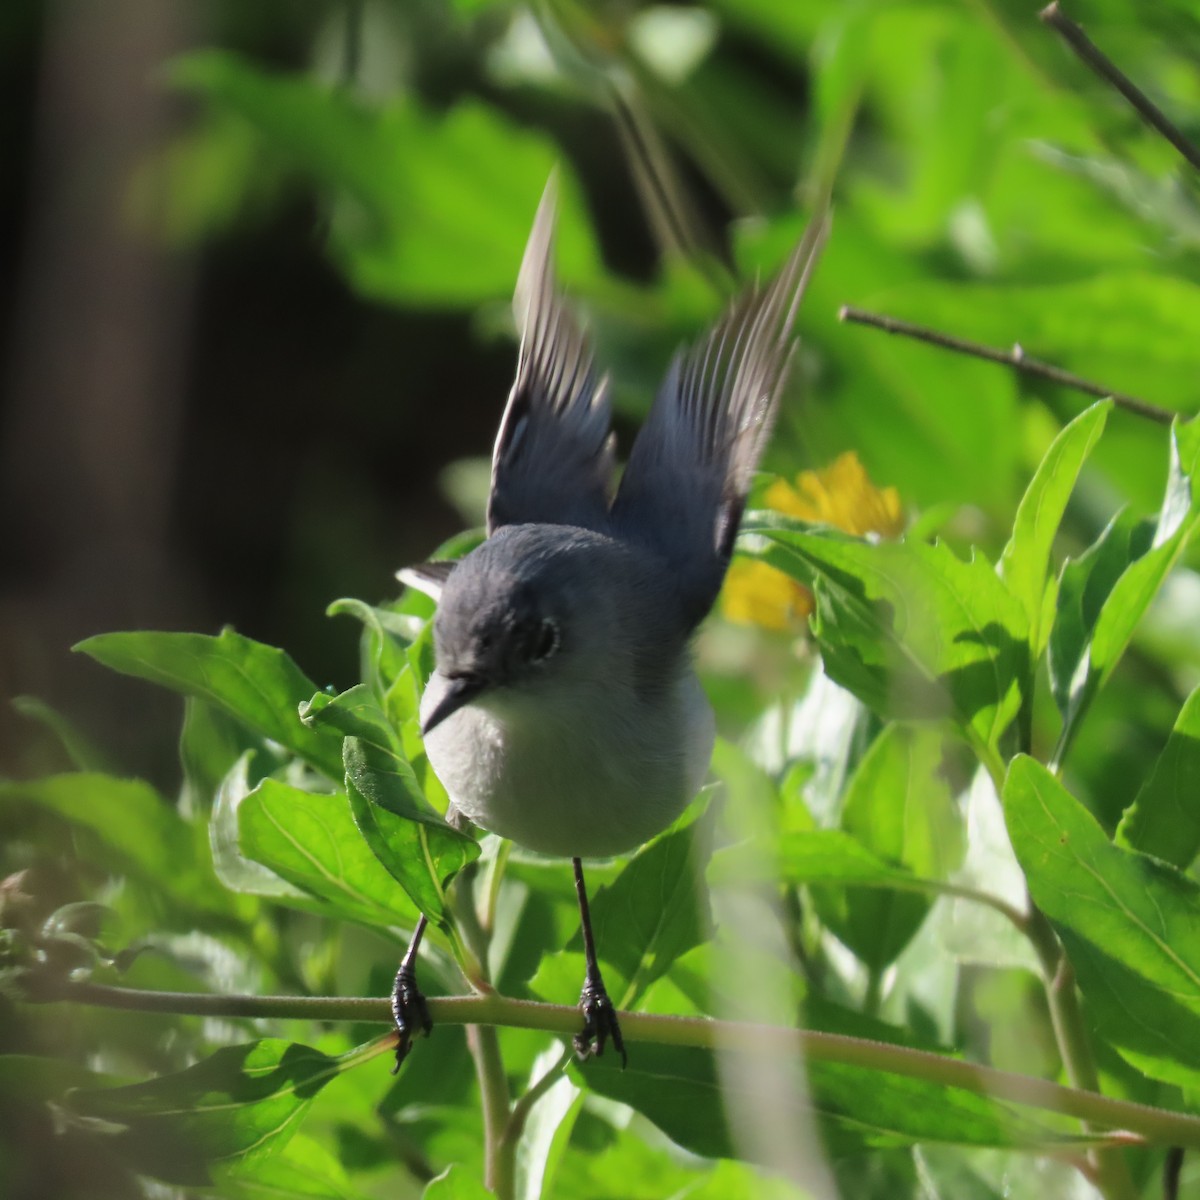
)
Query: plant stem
[
  {"x": 511, "y": 1137},
  {"x": 1015, "y": 357},
  {"x": 498, "y": 1167},
  {"x": 1111, "y": 1171},
  {"x": 495, "y": 880},
  {"x": 1155, "y": 1125},
  {"x": 1094, "y": 58},
  {"x": 484, "y": 1044},
  {"x": 874, "y": 993}
]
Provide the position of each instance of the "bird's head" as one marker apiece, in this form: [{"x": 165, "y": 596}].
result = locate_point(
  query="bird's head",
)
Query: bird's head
[{"x": 507, "y": 619}]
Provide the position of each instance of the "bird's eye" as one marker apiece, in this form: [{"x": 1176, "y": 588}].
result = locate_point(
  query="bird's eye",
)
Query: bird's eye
[{"x": 546, "y": 639}]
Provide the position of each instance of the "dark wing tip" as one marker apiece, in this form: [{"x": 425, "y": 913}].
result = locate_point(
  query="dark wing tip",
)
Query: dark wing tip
[{"x": 552, "y": 460}]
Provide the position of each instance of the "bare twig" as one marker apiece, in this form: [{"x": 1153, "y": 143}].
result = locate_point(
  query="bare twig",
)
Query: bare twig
[
  {"x": 1015, "y": 357},
  {"x": 1092, "y": 57}
]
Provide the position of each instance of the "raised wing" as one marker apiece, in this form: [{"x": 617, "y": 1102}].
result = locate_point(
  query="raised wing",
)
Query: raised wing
[
  {"x": 553, "y": 460},
  {"x": 685, "y": 487}
]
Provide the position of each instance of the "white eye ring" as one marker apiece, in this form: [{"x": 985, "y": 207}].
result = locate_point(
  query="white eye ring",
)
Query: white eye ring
[{"x": 549, "y": 638}]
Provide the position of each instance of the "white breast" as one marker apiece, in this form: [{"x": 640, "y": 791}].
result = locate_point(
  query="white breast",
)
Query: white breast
[{"x": 578, "y": 773}]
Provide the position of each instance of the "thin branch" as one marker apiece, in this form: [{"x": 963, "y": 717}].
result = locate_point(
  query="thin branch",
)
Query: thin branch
[
  {"x": 537, "y": 1089},
  {"x": 1096, "y": 60},
  {"x": 1070, "y": 1032},
  {"x": 498, "y": 1167},
  {"x": 1015, "y": 357},
  {"x": 507, "y": 1143},
  {"x": 1156, "y": 1125}
]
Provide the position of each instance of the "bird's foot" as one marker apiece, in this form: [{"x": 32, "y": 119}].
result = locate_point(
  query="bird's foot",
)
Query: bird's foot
[
  {"x": 599, "y": 1022},
  {"x": 409, "y": 1011}
]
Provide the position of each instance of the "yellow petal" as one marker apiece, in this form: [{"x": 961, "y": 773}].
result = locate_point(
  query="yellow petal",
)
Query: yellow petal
[
  {"x": 841, "y": 495},
  {"x": 757, "y": 594}
]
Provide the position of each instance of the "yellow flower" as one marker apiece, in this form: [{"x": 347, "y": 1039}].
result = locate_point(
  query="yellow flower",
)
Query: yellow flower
[
  {"x": 841, "y": 495},
  {"x": 757, "y": 594}
]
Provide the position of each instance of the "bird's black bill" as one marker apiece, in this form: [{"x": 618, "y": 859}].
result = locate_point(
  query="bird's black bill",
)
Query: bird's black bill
[{"x": 462, "y": 690}]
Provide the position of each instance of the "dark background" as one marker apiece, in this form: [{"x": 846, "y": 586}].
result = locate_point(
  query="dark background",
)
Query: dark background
[{"x": 221, "y": 432}]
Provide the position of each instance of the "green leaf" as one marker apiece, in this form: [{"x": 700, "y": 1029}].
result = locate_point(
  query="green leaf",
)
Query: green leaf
[
  {"x": 1085, "y": 662},
  {"x": 1025, "y": 562},
  {"x": 28, "y": 1077},
  {"x": 656, "y": 910},
  {"x": 210, "y": 745},
  {"x": 1140, "y": 583},
  {"x": 1084, "y": 586},
  {"x": 312, "y": 842},
  {"x": 814, "y": 856},
  {"x": 1130, "y": 924},
  {"x": 384, "y": 637},
  {"x": 547, "y": 1134},
  {"x": 243, "y": 1102},
  {"x": 233, "y": 868},
  {"x": 301, "y": 1170},
  {"x": 352, "y": 713},
  {"x": 653, "y": 912},
  {"x": 406, "y": 223},
  {"x": 147, "y": 838},
  {"x": 408, "y": 837},
  {"x": 681, "y": 1091},
  {"x": 900, "y": 808},
  {"x": 258, "y": 684},
  {"x": 83, "y": 754},
  {"x": 1164, "y": 820},
  {"x": 907, "y": 627}
]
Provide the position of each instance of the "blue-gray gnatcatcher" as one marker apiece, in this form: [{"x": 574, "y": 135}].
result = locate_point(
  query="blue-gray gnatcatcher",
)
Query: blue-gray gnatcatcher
[{"x": 564, "y": 712}]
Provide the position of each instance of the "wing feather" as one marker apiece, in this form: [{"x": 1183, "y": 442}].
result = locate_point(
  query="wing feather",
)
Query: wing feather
[
  {"x": 553, "y": 459},
  {"x": 684, "y": 489}
]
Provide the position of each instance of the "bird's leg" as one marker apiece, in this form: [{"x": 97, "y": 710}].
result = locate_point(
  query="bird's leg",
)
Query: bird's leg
[
  {"x": 599, "y": 1015},
  {"x": 408, "y": 1004}
]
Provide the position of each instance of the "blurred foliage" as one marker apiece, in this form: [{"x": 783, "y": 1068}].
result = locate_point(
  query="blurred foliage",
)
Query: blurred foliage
[{"x": 984, "y": 184}]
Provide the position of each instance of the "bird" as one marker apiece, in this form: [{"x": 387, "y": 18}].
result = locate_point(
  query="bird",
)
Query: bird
[{"x": 564, "y": 711}]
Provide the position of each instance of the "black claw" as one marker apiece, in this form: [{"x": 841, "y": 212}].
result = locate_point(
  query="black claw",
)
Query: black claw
[
  {"x": 599, "y": 1023},
  {"x": 409, "y": 1011}
]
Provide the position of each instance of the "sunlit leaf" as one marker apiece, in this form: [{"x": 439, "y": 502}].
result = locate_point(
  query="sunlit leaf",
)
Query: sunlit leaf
[
  {"x": 654, "y": 911},
  {"x": 311, "y": 841},
  {"x": 816, "y": 856},
  {"x": 909, "y": 628},
  {"x": 1025, "y": 562},
  {"x": 1128, "y": 922},
  {"x": 353, "y": 713},
  {"x": 300, "y": 1170},
  {"x": 1164, "y": 819},
  {"x": 412, "y": 841},
  {"x": 1088, "y": 651},
  {"x": 1084, "y": 586},
  {"x": 898, "y": 806}
]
